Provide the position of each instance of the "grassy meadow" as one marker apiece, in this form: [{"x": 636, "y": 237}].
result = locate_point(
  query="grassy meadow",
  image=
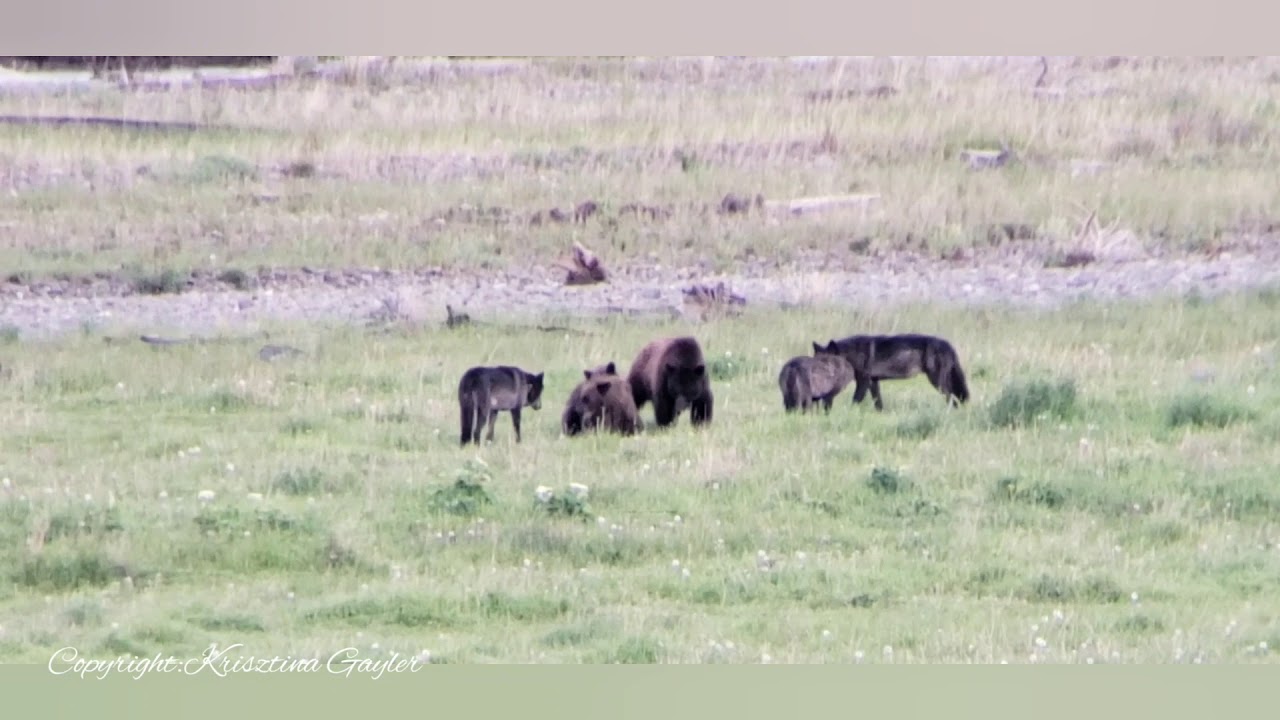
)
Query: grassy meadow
[
  {"x": 1108, "y": 495},
  {"x": 1170, "y": 153}
]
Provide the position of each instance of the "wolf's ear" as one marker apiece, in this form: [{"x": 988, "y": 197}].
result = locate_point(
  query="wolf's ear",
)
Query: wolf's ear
[
  {"x": 833, "y": 345},
  {"x": 538, "y": 378},
  {"x": 818, "y": 348},
  {"x": 603, "y": 388},
  {"x": 611, "y": 368},
  {"x": 586, "y": 374}
]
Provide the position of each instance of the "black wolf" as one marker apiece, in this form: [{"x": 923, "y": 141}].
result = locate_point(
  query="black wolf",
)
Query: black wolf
[
  {"x": 806, "y": 380},
  {"x": 895, "y": 357},
  {"x": 483, "y": 392}
]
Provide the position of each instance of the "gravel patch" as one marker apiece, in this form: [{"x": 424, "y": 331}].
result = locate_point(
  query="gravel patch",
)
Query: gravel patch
[{"x": 45, "y": 310}]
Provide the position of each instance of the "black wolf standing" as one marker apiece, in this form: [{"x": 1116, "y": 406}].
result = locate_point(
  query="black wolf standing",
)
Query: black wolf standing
[
  {"x": 483, "y": 392},
  {"x": 807, "y": 380},
  {"x": 897, "y": 357}
]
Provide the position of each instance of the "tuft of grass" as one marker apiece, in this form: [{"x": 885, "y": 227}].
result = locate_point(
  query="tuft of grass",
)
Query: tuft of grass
[
  {"x": 1037, "y": 492},
  {"x": 1204, "y": 411},
  {"x": 1056, "y": 589},
  {"x": 728, "y": 367},
  {"x": 295, "y": 427},
  {"x": 887, "y": 481},
  {"x": 236, "y": 278},
  {"x": 310, "y": 482},
  {"x": 164, "y": 282},
  {"x": 634, "y": 651},
  {"x": 1024, "y": 403},
  {"x": 401, "y": 611},
  {"x": 919, "y": 426},
  {"x": 67, "y": 570}
]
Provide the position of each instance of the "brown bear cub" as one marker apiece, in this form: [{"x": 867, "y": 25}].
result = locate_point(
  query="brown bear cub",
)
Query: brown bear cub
[
  {"x": 604, "y": 400},
  {"x": 671, "y": 374},
  {"x": 805, "y": 381},
  {"x": 591, "y": 402}
]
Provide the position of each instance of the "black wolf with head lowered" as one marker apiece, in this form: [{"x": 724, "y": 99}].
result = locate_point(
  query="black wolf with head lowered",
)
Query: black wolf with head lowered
[
  {"x": 808, "y": 380},
  {"x": 483, "y": 392},
  {"x": 896, "y": 357}
]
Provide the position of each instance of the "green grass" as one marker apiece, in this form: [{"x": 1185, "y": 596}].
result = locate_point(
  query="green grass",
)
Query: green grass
[
  {"x": 1138, "y": 527},
  {"x": 1191, "y": 142}
]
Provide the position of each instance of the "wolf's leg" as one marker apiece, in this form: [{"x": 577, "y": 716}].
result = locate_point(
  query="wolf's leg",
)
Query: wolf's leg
[{"x": 875, "y": 394}]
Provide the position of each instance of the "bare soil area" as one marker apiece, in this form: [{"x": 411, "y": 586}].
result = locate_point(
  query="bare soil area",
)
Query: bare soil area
[{"x": 208, "y": 305}]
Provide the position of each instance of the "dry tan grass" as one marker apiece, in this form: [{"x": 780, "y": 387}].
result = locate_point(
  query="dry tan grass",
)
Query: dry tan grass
[{"x": 1167, "y": 152}]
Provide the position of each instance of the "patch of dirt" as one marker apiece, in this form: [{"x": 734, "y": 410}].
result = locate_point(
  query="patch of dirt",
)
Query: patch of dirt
[{"x": 207, "y": 305}]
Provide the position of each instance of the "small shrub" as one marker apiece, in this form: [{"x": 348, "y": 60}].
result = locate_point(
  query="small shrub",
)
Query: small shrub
[
  {"x": 466, "y": 495},
  {"x": 567, "y": 505},
  {"x": 1022, "y": 403},
  {"x": 887, "y": 481},
  {"x": 572, "y": 503},
  {"x": 1070, "y": 259},
  {"x": 165, "y": 282},
  {"x": 236, "y": 278},
  {"x": 1032, "y": 493},
  {"x": 299, "y": 169},
  {"x": 1202, "y": 410}
]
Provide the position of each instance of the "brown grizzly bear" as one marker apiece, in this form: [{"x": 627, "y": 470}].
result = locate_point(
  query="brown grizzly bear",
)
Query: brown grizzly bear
[
  {"x": 571, "y": 419},
  {"x": 671, "y": 373},
  {"x": 605, "y": 401}
]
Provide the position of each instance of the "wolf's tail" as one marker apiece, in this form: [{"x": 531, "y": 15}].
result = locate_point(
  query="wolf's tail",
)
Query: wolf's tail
[
  {"x": 792, "y": 390},
  {"x": 468, "y": 402},
  {"x": 959, "y": 386}
]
